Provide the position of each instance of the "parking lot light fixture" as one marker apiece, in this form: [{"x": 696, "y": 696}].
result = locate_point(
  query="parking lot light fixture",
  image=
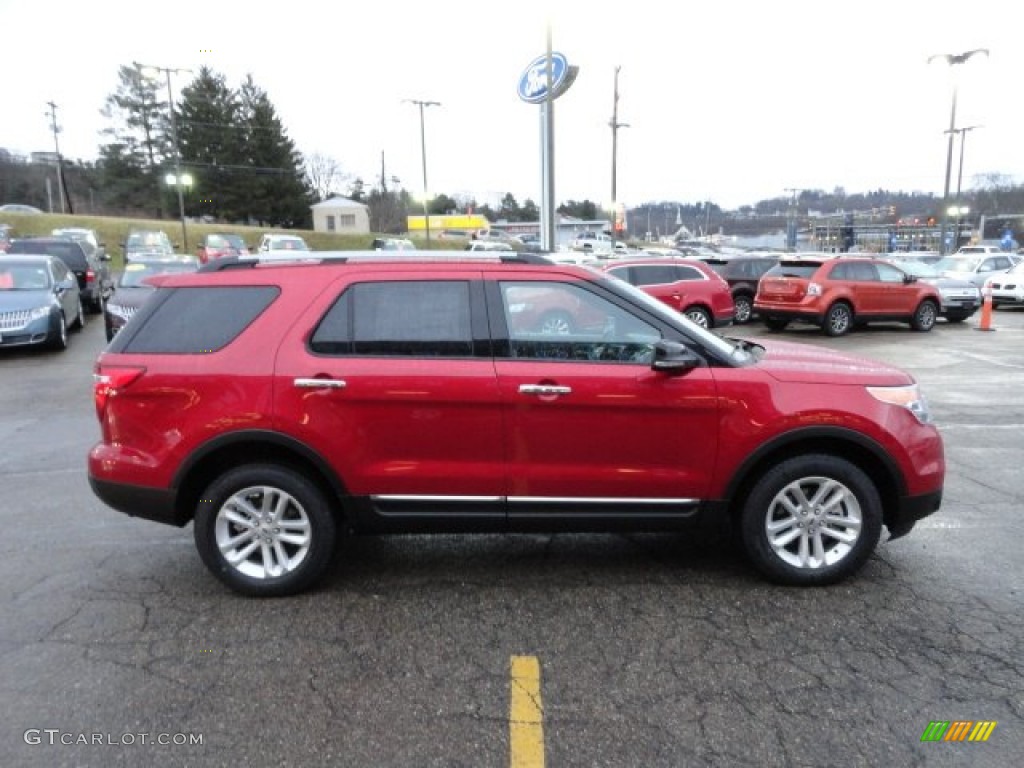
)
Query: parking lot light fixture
[
  {"x": 952, "y": 60},
  {"x": 423, "y": 150},
  {"x": 152, "y": 72}
]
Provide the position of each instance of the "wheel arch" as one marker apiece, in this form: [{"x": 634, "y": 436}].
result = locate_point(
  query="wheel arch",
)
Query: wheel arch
[
  {"x": 855, "y": 447},
  {"x": 225, "y": 452}
]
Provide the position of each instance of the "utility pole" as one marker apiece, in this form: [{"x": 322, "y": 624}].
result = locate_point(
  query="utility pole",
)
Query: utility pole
[
  {"x": 61, "y": 186},
  {"x": 423, "y": 150},
  {"x": 615, "y": 125}
]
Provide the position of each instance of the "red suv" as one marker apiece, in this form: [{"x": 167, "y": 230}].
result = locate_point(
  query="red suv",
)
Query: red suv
[
  {"x": 837, "y": 293},
  {"x": 687, "y": 285},
  {"x": 275, "y": 405}
]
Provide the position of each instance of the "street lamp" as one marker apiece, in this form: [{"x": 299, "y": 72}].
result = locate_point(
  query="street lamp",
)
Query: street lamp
[
  {"x": 952, "y": 60},
  {"x": 423, "y": 150},
  {"x": 149, "y": 70},
  {"x": 958, "y": 211},
  {"x": 615, "y": 125}
]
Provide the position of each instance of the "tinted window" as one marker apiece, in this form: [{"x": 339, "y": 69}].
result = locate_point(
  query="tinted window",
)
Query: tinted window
[
  {"x": 793, "y": 270},
  {"x": 196, "y": 320},
  {"x": 561, "y": 321},
  {"x": 651, "y": 274},
  {"x": 416, "y": 318},
  {"x": 687, "y": 273}
]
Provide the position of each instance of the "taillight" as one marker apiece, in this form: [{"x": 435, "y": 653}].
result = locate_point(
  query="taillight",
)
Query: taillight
[
  {"x": 110, "y": 380},
  {"x": 90, "y": 276}
]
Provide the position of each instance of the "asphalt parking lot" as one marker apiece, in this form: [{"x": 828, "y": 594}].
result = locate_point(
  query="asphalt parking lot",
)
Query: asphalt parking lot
[{"x": 659, "y": 650}]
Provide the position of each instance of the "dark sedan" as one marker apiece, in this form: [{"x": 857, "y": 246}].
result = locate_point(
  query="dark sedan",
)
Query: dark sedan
[
  {"x": 133, "y": 290},
  {"x": 92, "y": 271},
  {"x": 39, "y": 301}
]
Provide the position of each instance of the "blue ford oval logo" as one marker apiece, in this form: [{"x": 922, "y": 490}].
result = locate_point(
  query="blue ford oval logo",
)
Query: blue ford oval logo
[{"x": 533, "y": 84}]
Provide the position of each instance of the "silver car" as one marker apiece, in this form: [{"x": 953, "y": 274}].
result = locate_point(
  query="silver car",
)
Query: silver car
[
  {"x": 39, "y": 301},
  {"x": 960, "y": 297},
  {"x": 1008, "y": 287},
  {"x": 976, "y": 267}
]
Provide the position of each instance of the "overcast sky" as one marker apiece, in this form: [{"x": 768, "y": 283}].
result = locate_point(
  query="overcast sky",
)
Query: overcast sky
[{"x": 726, "y": 101}]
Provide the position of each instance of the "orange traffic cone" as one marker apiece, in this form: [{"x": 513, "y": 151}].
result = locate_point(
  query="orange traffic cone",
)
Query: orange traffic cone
[{"x": 986, "y": 309}]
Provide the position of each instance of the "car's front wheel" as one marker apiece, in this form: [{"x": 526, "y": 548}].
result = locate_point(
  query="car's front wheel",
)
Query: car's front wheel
[
  {"x": 811, "y": 520},
  {"x": 265, "y": 530},
  {"x": 744, "y": 307},
  {"x": 58, "y": 333}
]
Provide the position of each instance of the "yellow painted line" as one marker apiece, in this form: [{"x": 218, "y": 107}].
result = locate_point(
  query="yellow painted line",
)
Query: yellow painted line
[{"x": 526, "y": 714}]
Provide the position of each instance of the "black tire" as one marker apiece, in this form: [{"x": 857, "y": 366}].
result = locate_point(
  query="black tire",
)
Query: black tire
[
  {"x": 776, "y": 323},
  {"x": 58, "y": 334},
  {"x": 856, "y": 515},
  {"x": 298, "y": 537},
  {"x": 699, "y": 316},
  {"x": 744, "y": 305},
  {"x": 925, "y": 315},
  {"x": 956, "y": 318},
  {"x": 838, "y": 319},
  {"x": 79, "y": 323}
]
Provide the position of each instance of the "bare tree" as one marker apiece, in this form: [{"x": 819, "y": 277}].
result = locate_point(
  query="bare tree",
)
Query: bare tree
[{"x": 325, "y": 175}]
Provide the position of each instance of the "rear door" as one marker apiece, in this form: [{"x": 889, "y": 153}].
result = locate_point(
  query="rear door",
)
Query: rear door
[{"x": 392, "y": 381}]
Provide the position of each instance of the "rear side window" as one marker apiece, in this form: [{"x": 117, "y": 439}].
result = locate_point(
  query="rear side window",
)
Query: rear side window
[
  {"x": 69, "y": 252},
  {"x": 429, "y": 318},
  {"x": 195, "y": 320},
  {"x": 805, "y": 270}
]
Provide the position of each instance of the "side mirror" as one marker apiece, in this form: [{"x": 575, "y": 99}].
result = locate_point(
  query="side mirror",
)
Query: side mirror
[
  {"x": 910, "y": 279},
  {"x": 671, "y": 357}
]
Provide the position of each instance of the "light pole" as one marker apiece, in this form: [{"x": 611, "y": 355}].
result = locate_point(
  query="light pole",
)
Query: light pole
[
  {"x": 952, "y": 60},
  {"x": 423, "y": 150},
  {"x": 148, "y": 70},
  {"x": 615, "y": 125}
]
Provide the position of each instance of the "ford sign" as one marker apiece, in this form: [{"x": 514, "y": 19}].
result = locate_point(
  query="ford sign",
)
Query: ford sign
[{"x": 533, "y": 84}]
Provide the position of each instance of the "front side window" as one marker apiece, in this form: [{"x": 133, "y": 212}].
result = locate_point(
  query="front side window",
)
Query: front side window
[
  {"x": 418, "y": 318},
  {"x": 888, "y": 274},
  {"x": 563, "y": 321}
]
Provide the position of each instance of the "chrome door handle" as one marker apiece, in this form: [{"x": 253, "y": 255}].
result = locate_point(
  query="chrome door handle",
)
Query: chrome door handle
[
  {"x": 319, "y": 383},
  {"x": 543, "y": 389}
]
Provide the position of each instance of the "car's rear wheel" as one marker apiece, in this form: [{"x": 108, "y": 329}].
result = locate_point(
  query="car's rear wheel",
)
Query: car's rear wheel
[
  {"x": 925, "y": 315},
  {"x": 811, "y": 520},
  {"x": 776, "y": 323},
  {"x": 699, "y": 316},
  {"x": 744, "y": 308},
  {"x": 265, "y": 530},
  {"x": 838, "y": 319}
]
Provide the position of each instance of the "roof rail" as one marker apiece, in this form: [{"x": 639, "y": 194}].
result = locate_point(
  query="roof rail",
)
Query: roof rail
[{"x": 389, "y": 257}]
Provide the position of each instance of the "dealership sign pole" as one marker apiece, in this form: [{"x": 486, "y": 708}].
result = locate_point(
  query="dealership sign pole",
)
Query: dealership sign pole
[{"x": 544, "y": 80}]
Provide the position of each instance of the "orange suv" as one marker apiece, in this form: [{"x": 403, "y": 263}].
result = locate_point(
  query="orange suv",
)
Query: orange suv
[{"x": 838, "y": 293}]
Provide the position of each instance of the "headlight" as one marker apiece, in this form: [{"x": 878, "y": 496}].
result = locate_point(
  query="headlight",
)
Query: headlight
[
  {"x": 38, "y": 312},
  {"x": 908, "y": 397}
]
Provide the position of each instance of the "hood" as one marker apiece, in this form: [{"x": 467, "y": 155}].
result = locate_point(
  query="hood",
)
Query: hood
[
  {"x": 13, "y": 301},
  {"x": 793, "y": 362}
]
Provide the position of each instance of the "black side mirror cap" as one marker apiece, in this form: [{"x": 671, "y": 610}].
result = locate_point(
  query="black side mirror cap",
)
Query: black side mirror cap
[{"x": 673, "y": 358}]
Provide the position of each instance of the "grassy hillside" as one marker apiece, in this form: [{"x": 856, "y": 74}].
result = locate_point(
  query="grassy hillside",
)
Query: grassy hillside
[{"x": 113, "y": 232}]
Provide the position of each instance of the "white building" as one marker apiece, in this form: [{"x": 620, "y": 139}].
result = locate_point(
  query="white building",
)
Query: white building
[{"x": 341, "y": 215}]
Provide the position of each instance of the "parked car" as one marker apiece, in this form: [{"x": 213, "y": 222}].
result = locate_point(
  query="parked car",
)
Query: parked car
[
  {"x": 92, "y": 272},
  {"x": 976, "y": 250},
  {"x": 89, "y": 237},
  {"x": 147, "y": 242},
  {"x": 19, "y": 208},
  {"x": 687, "y": 285},
  {"x": 1008, "y": 287},
  {"x": 488, "y": 245},
  {"x": 301, "y": 403},
  {"x": 39, "y": 301},
  {"x": 392, "y": 244},
  {"x": 133, "y": 287},
  {"x": 272, "y": 242},
  {"x": 596, "y": 242},
  {"x": 976, "y": 267},
  {"x": 960, "y": 298},
  {"x": 217, "y": 245},
  {"x": 742, "y": 273},
  {"x": 837, "y": 293}
]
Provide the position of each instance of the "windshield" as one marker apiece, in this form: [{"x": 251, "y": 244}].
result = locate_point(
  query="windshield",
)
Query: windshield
[
  {"x": 951, "y": 264},
  {"x": 24, "y": 277},
  {"x": 136, "y": 272},
  {"x": 917, "y": 268}
]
